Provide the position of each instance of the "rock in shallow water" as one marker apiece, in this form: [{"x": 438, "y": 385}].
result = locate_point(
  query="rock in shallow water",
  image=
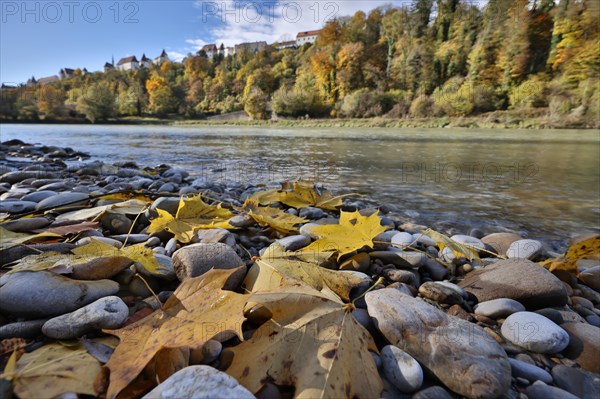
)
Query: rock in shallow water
[
  {"x": 534, "y": 332},
  {"x": 109, "y": 312},
  {"x": 199, "y": 382},
  {"x": 457, "y": 352},
  {"x": 517, "y": 279},
  {"x": 41, "y": 294},
  {"x": 401, "y": 369}
]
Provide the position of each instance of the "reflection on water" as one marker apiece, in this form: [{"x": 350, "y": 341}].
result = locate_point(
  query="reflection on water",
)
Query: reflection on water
[{"x": 546, "y": 183}]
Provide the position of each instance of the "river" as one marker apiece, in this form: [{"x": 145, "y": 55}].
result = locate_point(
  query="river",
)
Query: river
[{"x": 542, "y": 183}]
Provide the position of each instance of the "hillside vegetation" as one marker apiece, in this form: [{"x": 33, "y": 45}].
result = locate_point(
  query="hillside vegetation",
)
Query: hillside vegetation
[{"x": 435, "y": 59}]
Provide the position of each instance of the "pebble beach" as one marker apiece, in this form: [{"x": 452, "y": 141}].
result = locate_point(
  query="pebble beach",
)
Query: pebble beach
[{"x": 491, "y": 322}]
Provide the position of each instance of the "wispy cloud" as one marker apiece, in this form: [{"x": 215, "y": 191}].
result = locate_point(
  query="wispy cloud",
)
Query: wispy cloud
[{"x": 176, "y": 56}]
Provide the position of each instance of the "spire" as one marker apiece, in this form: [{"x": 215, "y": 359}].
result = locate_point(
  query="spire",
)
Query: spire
[{"x": 113, "y": 60}]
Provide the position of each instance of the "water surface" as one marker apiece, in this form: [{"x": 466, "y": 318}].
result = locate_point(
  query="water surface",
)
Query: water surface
[{"x": 542, "y": 183}]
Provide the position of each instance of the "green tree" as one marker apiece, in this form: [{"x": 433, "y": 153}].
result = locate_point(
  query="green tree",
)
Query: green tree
[
  {"x": 97, "y": 102},
  {"x": 255, "y": 104}
]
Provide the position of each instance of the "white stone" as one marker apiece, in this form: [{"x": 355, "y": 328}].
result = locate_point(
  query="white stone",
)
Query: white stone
[
  {"x": 199, "y": 382},
  {"x": 403, "y": 239},
  {"x": 108, "y": 312},
  {"x": 534, "y": 332},
  {"x": 499, "y": 308},
  {"x": 524, "y": 249},
  {"x": 401, "y": 369}
]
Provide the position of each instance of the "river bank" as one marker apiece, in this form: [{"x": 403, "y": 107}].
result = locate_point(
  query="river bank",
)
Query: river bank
[
  {"x": 337, "y": 285},
  {"x": 533, "y": 119}
]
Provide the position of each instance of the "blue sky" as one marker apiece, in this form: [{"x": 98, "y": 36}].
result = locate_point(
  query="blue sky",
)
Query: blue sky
[{"x": 40, "y": 37}]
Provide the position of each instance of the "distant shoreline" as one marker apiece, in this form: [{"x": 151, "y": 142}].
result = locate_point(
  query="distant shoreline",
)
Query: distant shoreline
[{"x": 492, "y": 120}]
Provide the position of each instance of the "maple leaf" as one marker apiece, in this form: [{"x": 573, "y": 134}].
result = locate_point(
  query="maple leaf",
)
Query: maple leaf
[
  {"x": 9, "y": 239},
  {"x": 192, "y": 215},
  {"x": 589, "y": 248},
  {"x": 86, "y": 256},
  {"x": 130, "y": 207},
  {"x": 459, "y": 250},
  {"x": 274, "y": 268},
  {"x": 312, "y": 343},
  {"x": 303, "y": 194},
  {"x": 353, "y": 232},
  {"x": 272, "y": 217},
  {"x": 199, "y": 310},
  {"x": 52, "y": 370}
]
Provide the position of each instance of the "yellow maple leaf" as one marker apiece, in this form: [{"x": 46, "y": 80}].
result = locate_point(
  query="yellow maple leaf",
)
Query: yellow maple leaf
[
  {"x": 353, "y": 232},
  {"x": 312, "y": 343},
  {"x": 275, "y": 267},
  {"x": 459, "y": 250},
  {"x": 193, "y": 214},
  {"x": 272, "y": 217},
  {"x": 589, "y": 249},
  {"x": 89, "y": 257},
  {"x": 303, "y": 194},
  {"x": 198, "y": 310},
  {"x": 53, "y": 370}
]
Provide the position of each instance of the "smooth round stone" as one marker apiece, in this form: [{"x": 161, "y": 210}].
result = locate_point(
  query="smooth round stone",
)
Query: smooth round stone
[
  {"x": 26, "y": 225},
  {"x": 295, "y": 242},
  {"x": 580, "y": 383},
  {"x": 105, "y": 240},
  {"x": 594, "y": 320},
  {"x": 359, "y": 262},
  {"x": 586, "y": 303},
  {"x": 434, "y": 392},
  {"x": 524, "y": 249},
  {"x": 424, "y": 239},
  {"x": 584, "y": 345},
  {"x": 539, "y": 390},
  {"x": 167, "y": 188},
  {"x": 401, "y": 369},
  {"x": 244, "y": 221},
  {"x": 435, "y": 270},
  {"x": 38, "y": 196},
  {"x": 529, "y": 371},
  {"x": 403, "y": 239},
  {"x": 166, "y": 271},
  {"x": 109, "y": 312},
  {"x": 591, "y": 277},
  {"x": 311, "y": 213},
  {"x": 535, "y": 333},
  {"x": 22, "y": 329},
  {"x": 116, "y": 223},
  {"x": 131, "y": 238},
  {"x": 168, "y": 204},
  {"x": 71, "y": 198},
  {"x": 53, "y": 294},
  {"x": 215, "y": 235},
  {"x": 171, "y": 246},
  {"x": 200, "y": 382},
  {"x": 362, "y": 316},
  {"x": 385, "y": 236},
  {"x": 17, "y": 206},
  {"x": 499, "y": 308},
  {"x": 196, "y": 259},
  {"x": 468, "y": 240},
  {"x": 500, "y": 241},
  {"x": 414, "y": 259},
  {"x": 440, "y": 293}
]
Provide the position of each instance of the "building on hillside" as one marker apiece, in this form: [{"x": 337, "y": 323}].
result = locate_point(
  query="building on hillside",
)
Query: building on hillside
[
  {"x": 222, "y": 49},
  {"x": 84, "y": 72},
  {"x": 145, "y": 62},
  {"x": 252, "y": 47},
  {"x": 229, "y": 51},
  {"x": 108, "y": 67},
  {"x": 307, "y": 37},
  {"x": 210, "y": 50},
  {"x": 163, "y": 57},
  {"x": 66, "y": 73},
  {"x": 31, "y": 81},
  {"x": 284, "y": 45},
  {"x": 128, "y": 64},
  {"x": 48, "y": 79}
]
